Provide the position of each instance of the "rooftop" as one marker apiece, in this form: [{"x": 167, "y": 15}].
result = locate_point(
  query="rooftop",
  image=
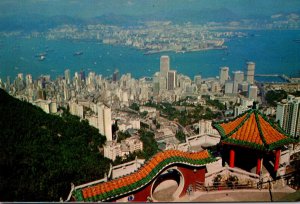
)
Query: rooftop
[
  {"x": 252, "y": 129},
  {"x": 124, "y": 185}
]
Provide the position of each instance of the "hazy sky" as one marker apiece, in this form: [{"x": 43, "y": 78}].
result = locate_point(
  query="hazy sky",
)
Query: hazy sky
[{"x": 90, "y": 8}]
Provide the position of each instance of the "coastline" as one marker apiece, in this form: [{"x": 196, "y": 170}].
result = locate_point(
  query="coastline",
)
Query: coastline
[{"x": 150, "y": 52}]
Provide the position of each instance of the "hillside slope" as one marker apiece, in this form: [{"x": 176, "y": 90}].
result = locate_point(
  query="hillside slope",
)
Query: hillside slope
[{"x": 41, "y": 154}]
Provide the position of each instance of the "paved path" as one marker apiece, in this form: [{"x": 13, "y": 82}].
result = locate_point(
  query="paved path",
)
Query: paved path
[{"x": 236, "y": 196}]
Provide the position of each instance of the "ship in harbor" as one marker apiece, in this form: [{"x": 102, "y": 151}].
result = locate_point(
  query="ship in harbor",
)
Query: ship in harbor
[
  {"x": 78, "y": 53},
  {"x": 41, "y": 56}
]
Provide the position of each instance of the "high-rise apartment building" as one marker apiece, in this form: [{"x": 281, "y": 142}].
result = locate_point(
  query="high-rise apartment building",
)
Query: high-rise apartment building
[
  {"x": 104, "y": 121},
  {"x": 229, "y": 87},
  {"x": 68, "y": 76},
  {"x": 115, "y": 76},
  {"x": 171, "y": 79},
  {"x": 197, "y": 79},
  {"x": 252, "y": 93},
  {"x": 250, "y": 72},
  {"x": 164, "y": 65},
  {"x": 224, "y": 75},
  {"x": 156, "y": 84},
  {"x": 28, "y": 79},
  {"x": 288, "y": 115},
  {"x": 238, "y": 76},
  {"x": 162, "y": 83}
]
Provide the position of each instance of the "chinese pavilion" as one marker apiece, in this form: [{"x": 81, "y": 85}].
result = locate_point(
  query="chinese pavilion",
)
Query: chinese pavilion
[{"x": 251, "y": 136}]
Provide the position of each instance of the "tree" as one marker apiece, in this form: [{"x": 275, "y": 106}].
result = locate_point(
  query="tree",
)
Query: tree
[
  {"x": 41, "y": 154},
  {"x": 123, "y": 135},
  {"x": 274, "y": 96},
  {"x": 135, "y": 106},
  {"x": 150, "y": 146},
  {"x": 180, "y": 136}
]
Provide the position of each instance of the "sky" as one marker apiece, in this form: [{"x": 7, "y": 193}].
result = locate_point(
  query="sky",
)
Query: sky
[{"x": 92, "y": 8}]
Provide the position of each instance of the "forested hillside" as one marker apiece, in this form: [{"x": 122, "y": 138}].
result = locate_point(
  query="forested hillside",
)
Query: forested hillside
[{"x": 41, "y": 154}]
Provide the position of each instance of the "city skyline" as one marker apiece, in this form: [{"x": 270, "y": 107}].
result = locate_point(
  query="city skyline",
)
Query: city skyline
[{"x": 149, "y": 100}]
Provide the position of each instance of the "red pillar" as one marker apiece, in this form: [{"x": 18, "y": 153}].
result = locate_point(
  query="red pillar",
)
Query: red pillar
[
  {"x": 277, "y": 157},
  {"x": 258, "y": 166},
  {"x": 232, "y": 155}
]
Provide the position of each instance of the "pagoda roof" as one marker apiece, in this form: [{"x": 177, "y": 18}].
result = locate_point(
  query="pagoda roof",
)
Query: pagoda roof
[
  {"x": 252, "y": 129},
  {"x": 134, "y": 181}
]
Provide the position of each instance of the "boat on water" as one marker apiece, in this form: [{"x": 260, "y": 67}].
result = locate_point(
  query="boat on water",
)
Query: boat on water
[
  {"x": 42, "y": 57},
  {"x": 41, "y": 54},
  {"x": 78, "y": 53}
]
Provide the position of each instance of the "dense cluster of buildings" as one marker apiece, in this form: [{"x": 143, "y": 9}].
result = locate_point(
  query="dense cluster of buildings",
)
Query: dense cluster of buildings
[
  {"x": 288, "y": 115},
  {"x": 106, "y": 101},
  {"x": 154, "y": 36}
]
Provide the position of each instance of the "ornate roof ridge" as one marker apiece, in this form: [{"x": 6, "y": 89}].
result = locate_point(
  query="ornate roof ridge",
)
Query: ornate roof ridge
[
  {"x": 141, "y": 177},
  {"x": 263, "y": 135}
]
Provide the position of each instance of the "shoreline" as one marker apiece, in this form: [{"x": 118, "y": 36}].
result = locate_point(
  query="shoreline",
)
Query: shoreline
[{"x": 150, "y": 52}]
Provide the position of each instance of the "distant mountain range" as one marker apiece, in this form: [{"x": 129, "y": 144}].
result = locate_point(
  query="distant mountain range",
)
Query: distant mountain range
[{"x": 36, "y": 22}]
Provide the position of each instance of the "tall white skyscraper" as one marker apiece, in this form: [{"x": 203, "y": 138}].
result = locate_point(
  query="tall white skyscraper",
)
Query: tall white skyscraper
[
  {"x": 229, "y": 87},
  {"x": 164, "y": 65},
  {"x": 162, "y": 83},
  {"x": 250, "y": 72},
  {"x": 156, "y": 84},
  {"x": 28, "y": 79},
  {"x": 288, "y": 115},
  {"x": 224, "y": 75},
  {"x": 252, "y": 93},
  {"x": 104, "y": 121},
  {"x": 238, "y": 76},
  {"x": 68, "y": 76},
  {"x": 197, "y": 79}
]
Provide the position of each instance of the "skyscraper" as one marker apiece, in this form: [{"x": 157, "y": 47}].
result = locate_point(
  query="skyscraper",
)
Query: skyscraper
[
  {"x": 162, "y": 83},
  {"x": 228, "y": 87},
  {"x": 250, "y": 72},
  {"x": 197, "y": 79},
  {"x": 238, "y": 76},
  {"x": 164, "y": 65},
  {"x": 104, "y": 121},
  {"x": 82, "y": 75},
  {"x": 252, "y": 93},
  {"x": 288, "y": 115},
  {"x": 28, "y": 79},
  {"x": 115, "y": 76},
  {"x": 171, "y": 79},
  {"x": 67, "y": 76},
  {"x": 224, "y": 75},
  {"x": 156, "y": 83}
]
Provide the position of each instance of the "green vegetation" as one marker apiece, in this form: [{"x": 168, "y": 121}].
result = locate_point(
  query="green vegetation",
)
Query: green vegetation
[
  {"x": 135, "y": 107},
  {"x": 180, "y": 136},
  {"x": 144, "y": 114},
  {"x": 150, "y": 146},
  {"x": 272, "y": 97},
  {"x": 41, "y": 154},
  {"x": 129, "y": 157},
  {"x": 123, "y": 135},
  {"x": 216, "y": 104},
  {"x": 186, "y": 115}
]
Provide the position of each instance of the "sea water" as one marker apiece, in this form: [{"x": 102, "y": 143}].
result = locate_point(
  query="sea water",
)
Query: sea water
[{"x": 273, "y": 51}]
